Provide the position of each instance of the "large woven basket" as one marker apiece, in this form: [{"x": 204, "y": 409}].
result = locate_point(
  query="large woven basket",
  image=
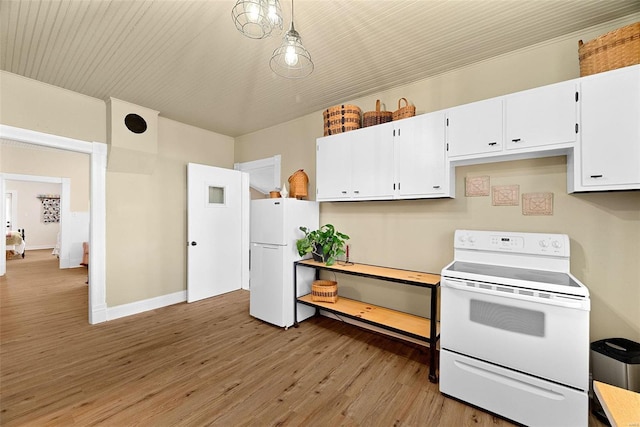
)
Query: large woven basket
[
  {"x": 377, "y": 117},
  {"x": 324, "y": 290},
  {"x": 615, "y": 49},
  {"x": 298, "y": 183},
  {"x": 341, "y": 118},
  {"x": 404, "y": 112}
]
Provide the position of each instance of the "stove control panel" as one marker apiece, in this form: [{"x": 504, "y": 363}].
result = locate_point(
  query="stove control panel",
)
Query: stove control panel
[{"x": 525, "y": 243}]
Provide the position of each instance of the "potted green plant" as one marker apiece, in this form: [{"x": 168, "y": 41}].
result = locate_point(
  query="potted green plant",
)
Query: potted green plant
[{"x": 324, "y": 244}]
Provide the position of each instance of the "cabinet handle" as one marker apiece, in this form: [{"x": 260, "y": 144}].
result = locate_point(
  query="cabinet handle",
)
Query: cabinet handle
[
  {"x": 436, "y": 186},
  {"x": 343, "y": 192},
  {"x": 356, "y": 191},
  {"x": 493, "y": 143},
  {"x": 596, "y": 176},
  {"x": 516, "y": 140}
]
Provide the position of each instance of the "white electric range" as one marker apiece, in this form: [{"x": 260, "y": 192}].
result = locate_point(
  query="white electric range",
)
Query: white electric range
[{"x": 515, "y": 328}]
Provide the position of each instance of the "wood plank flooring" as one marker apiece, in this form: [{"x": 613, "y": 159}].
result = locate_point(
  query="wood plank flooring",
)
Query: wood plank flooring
[{"x": 206, "y": 363}]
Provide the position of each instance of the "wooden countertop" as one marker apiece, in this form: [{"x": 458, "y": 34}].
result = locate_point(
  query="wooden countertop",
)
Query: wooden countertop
[
  {"x": 621, "y": 406},
  {"x": 393, "y": 274}
]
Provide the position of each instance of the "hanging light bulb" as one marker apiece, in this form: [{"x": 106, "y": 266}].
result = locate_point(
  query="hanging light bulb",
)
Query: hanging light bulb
[
  {"x": 290, "y": 56},
  {"x": 291, "y": 59},
  {"x": 257, "y": 19}
]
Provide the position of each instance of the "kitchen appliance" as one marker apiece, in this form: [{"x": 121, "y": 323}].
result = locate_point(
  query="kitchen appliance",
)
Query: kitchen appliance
[
  {"x": 515, "y": 328},
  {"x": 275, "y": 227}
]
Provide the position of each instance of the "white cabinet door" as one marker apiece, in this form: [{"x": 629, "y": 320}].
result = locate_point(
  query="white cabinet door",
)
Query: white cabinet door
[
  {"x": 610, "y": 146},
  {"x": 333, "y": 167},
  {"x": 421, "y": 157},
  {"x": 475, "y": 128},
  {"x": 541, "y": 116},
  {"x": 372, "y": 162}
]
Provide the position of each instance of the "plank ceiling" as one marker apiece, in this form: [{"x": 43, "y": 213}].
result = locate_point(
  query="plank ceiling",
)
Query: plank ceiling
[{"x": 185, "y": 58}]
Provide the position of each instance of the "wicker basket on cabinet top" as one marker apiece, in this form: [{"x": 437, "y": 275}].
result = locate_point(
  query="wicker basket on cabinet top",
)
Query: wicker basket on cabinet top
[
  {"x": 615, "y": 49},
  {"x": 377, "y": 117},
  {"x": 341, "y": 118},
  {"x": 404, "y": 112}
]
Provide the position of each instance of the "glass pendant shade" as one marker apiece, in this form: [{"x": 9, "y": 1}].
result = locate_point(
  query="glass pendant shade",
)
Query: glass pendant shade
[
  {"x": 291, "y": 59},
  {"x": 257, "y": 19}
]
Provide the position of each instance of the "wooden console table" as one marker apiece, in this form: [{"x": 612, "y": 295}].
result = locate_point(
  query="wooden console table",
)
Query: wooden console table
[{"x": 419, "y": 328}]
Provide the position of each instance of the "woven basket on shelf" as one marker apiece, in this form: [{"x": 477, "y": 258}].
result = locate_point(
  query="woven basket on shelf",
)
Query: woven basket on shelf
[
  {"x": 341, "y": 118},
  {"x": 371, "y": 118},
  {"x": 324, "y": 290},
  {"x": 298, "y": 184},
  {"x": 404, "y": 112},
  {"x": 615, "y": 49}
]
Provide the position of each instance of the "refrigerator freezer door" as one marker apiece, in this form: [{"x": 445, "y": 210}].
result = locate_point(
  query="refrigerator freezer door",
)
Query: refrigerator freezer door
[{"x": 267, "y": 221}]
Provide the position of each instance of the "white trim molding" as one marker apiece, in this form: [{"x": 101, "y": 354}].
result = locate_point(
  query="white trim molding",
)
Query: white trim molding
[{"x": 145, "y": 305}]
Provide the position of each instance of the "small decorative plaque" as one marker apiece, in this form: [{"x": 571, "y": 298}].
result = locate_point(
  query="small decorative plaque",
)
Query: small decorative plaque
[
  {"x": 477, "y": 186},
  {"x": 505, "y": 195},
  {"x": 537, "y": 204}
]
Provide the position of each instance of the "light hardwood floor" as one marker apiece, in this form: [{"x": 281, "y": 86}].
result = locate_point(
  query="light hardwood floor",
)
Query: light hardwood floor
[{"x": 206, "y": 363}]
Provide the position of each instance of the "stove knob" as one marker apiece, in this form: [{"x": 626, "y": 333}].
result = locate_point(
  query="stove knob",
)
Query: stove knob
[
  {"x": 556, "y": 244},
  {"x": 472, "y": 239},
  {"x": 463, "y": 239},
  {"x": 543, "y": 243}
]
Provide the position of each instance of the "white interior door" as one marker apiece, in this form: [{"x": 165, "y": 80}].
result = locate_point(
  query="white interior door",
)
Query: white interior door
[{"x": 217, "y": 230}]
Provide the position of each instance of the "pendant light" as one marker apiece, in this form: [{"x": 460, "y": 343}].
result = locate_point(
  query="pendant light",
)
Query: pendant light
[
  {"x": 257, "y": 19},
  {"x": 291, "y": 59}
]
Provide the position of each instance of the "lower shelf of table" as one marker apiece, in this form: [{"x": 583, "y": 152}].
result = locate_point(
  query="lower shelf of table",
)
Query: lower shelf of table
[{"x": 404, "y": 323}]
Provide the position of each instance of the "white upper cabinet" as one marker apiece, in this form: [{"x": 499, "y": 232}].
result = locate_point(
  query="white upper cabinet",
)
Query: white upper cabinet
[
  {"x": 405, "y": 159},
  {"x": 372, "y": 162},
  {"x": 475, "y": 128},
  {"x": 355, "y": 165},
  {"x": 542, "y": 116},
  {"x": 333, "y": 167},
  {"x": 421, "y": 169},
  {"x": 594, "y": 120},
  {"x": 608, "y": 156}
]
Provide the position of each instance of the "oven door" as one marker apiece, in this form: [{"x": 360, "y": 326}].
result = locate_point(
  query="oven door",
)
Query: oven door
[{"x": 541, "y": 336}]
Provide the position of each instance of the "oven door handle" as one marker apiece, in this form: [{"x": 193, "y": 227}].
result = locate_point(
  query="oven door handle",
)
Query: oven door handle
[{"x": 556, "y": 300}]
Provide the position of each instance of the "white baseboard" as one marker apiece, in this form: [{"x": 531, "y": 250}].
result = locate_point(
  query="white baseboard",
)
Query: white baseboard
[
  {"x": 145, "y": 305},
  {"x": 37, "y": 247}
]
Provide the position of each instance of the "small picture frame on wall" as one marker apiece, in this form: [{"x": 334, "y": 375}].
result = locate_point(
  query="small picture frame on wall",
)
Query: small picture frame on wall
[
  {"x": 537, "y": 204},
  {"x": 476, "y": 186},
  {"x": 505, "y": 195}
]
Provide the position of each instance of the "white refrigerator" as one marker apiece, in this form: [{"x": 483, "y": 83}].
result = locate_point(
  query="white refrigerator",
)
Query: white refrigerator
[{"x": 275, "y": 227}]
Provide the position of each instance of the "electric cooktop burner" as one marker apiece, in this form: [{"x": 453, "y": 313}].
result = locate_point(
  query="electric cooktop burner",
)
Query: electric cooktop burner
[{"x": 496, "y": 271}]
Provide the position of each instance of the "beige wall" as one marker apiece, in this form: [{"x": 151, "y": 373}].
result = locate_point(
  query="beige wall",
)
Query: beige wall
[
  {"x": 26, "y": 159},
  {"x": 49, "y": 109},
  {"x": 604, "y": 227},
  {"x": 38, "y": 234},
  {"x": 146, "y": 214}
]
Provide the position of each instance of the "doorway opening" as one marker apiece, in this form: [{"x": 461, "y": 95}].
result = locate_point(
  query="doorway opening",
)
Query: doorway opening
[{"x": 98, "y": 154}]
